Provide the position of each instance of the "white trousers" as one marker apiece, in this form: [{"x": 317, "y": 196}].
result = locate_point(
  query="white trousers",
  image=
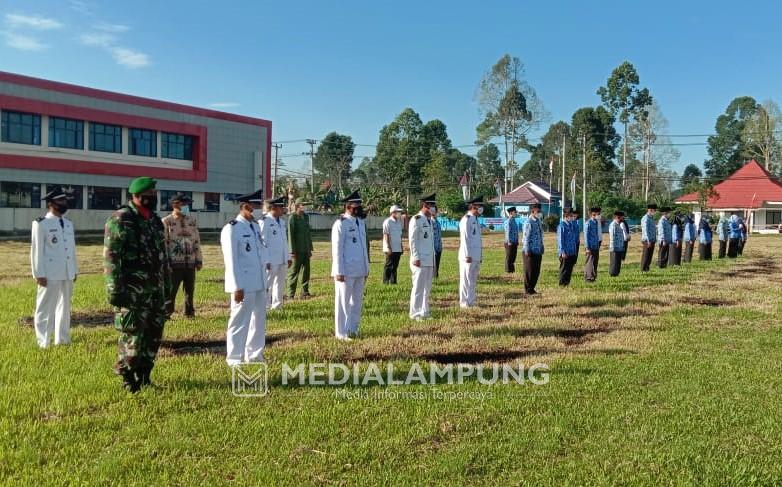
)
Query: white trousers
[
  {"x": 422, "y": 288},
  {"x": 53, "y": 313},
  {"x": 348, "y": 300},
  {"x": 468, "y": 282},
  {"x": 275, "y": 285},
  {"x": 246, "y": 334}
]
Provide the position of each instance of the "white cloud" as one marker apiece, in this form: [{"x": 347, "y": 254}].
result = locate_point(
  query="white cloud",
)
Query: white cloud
[
  {"x": 23, "y": 42},
  {"x": 224, "y": 104},
  {"x": 97, "y": 39},
  {"x": 113, "y": 28},
  {"x": 129, "y": 58},
  {"x": 31, "y": 22}
]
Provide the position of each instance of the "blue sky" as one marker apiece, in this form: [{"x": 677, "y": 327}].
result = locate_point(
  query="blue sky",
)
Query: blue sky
[{"x": 351, "y": 66}]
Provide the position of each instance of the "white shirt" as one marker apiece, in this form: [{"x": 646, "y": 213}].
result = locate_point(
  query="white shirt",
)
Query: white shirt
[
  {"x": 240, "y": 241},
  {"x": 53, "y": 248},
  {"x": 392, "y": 228},
  {"x": 470, "y": 238},
  {"x": 421, "y": 240},
  {"x": 275, "y": 239},
  {"x": 349, "y": 256}
]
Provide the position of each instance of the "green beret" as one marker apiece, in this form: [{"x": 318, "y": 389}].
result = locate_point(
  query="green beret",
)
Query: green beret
[{"x": 139, "y": 185}]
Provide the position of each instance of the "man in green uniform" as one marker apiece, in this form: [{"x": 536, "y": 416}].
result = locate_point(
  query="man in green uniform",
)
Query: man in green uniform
[
  {"x": 138, "y": 281},
  {"x": 300, "y": 240}
]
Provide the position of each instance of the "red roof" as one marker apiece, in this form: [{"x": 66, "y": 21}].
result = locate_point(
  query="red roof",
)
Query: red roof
[{"x": 749, "y": 187}]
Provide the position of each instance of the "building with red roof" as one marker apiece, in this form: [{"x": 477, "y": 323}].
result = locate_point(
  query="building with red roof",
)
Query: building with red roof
[
  {"x": 530, "y": 193},
  {"x": 750, "y": 192}
]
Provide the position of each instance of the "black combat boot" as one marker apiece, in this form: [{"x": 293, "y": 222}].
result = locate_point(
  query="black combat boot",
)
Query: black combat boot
[
  {"x": 143, "y": 376},
  {"x": 130, "y": 382}
]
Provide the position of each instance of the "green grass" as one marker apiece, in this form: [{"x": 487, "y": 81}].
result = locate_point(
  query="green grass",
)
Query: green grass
[{"x": 672, "y": 377}]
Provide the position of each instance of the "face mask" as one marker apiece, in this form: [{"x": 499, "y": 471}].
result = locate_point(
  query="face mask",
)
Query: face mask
[
  {"x": 356, "y": 211},
  {"x": 480, "y": 210},
  {"x": 185, "y": 210},
  {"x": 257, "y": 213},
  {"x": 149, "y": 202}
]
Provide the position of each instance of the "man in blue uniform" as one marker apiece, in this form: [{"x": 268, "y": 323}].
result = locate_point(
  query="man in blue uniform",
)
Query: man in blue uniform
[
  {"x": 675, "y": 254},
  {"x": 511, "y": 240},
  {"x": 616, "y": 244},
  {"x": 690, "y": 236},
  {"x": 532, "y": 249},
  {"x": 567, "y": 246},
  {"x": 704, "y": 238},
  {"x": 437, "y": 236},
  {"x": 648, "y": 237},
  {"x": 665, "y": 232},
  {"x": 593, "y": 237},
  {"x": 734, "y": 237},
  {"x": 723, "y": 232}
]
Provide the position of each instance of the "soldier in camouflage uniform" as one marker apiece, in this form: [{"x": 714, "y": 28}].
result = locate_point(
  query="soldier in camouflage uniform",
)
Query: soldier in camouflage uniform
[{"x": 138, "y": 282}]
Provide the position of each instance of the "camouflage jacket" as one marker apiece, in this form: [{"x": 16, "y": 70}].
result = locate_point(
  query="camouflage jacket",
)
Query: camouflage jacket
[{"x": 136, "y": 265}]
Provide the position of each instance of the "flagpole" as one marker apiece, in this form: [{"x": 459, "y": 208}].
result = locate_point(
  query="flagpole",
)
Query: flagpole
[{"x": 562, "y": 195}]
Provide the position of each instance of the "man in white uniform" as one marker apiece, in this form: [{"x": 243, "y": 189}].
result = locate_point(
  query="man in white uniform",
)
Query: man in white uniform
[
  {"x": 392, "y": 244},
  {"x": 349, "y": 267},
  {"x": 420, "y": 235},
  {"x": 53, "y": 259},
  {"x": 275, "y": 241},
  {"x": 245, "y": 280},
  {"x": 470, "y": 252}
]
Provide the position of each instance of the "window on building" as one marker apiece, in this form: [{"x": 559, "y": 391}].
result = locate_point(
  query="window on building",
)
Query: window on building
[
  {"x": 142, "y": 143},
  {"x": 20, "y": 195},
  {"x": 66, "y": 133},
  {"x": 105, "y": 138},
  {"x": 177, "y": 146},
  {"x": 100, "y": 198},
  {"x": 76, "y": 194},
  {"x": 773, "y": 217},
  {"x": 211, "y": 201},
  {"x": 165, "y": 198},
  {"x": 21, "y": 128}
]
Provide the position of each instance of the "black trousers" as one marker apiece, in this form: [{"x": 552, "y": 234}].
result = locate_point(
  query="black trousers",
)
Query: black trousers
[
  {"x": 437, "y": 256},
  {"x": 741, "y": 246},
  {"x": 663, "y": 255},
  {"x": 704, "y": 251},
  {"x": 590, "y": 266},
  {"x": 623, "y": 253},
  {"x": 688, "y": 249},
  {"x": 646, "y": 255},
  {"x": 675, "y": 254},
  {"x": 614, "y": 263},
  {"x": 723, "y": 247},
  {"x": 392, "y": 264},
  {"x": 186, "y": 277},
  {"x": 733, "y": 248},
  {"x": 531, "y": 271},
  {"x": 510, "y": 257},
  {"x": 566, "y": 265}
]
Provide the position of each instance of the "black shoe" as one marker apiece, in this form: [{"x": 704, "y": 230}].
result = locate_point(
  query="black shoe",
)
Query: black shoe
[
  {"x": 130, "y": 382},
  {"x": 143, "y": 377}
]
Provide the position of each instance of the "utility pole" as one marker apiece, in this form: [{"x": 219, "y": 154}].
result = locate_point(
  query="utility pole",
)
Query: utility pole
[
  {"x": 562, "y": 198},
  {"x": 312, "y": 142},
  {"x": 647, "y": 161},
  {"x": 277, "y": 147},
  {"x": 584, "y": 177}
]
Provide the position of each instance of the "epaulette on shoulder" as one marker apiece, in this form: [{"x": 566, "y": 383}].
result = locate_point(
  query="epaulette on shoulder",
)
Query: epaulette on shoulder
[
  {"x": 40, "y": 219},
  {"x": 341, "y": 217},
  {"x": 417, "y": 217},
  {"x": 233, "y": 222}
]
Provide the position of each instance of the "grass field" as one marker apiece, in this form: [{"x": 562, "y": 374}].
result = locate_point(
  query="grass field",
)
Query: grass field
[{"x": 673, "y": 377}]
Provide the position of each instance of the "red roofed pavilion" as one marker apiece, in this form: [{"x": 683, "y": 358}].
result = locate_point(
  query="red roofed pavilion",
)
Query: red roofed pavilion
[{"x": 750, "y": 192}]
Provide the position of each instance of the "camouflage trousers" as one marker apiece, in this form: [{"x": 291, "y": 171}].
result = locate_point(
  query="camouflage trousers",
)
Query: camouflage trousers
[{"x": 141, "y": 329}]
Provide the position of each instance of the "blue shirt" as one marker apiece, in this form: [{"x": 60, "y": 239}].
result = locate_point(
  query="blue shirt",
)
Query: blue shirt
[
  {"x": 664, "y": 230},
  {"x": 616, "y": 237},
  {"x": 567, "y": 238},
  {"x": 532, "y": 241},
  {"x": 735, "y": 231},
  {"x": 723, "y": 228},
  {"x": 648, "y": 230},
  {"x": 511, "y": 231},
  {"x": 577, "y": 231},
  {"x": 689, "y": 230},
  {"x": 676, "y": 232},
  {"x": 704, "y": 234},
  {"x": 592, "y": 234},
  {"x": 437, "y": 236}
]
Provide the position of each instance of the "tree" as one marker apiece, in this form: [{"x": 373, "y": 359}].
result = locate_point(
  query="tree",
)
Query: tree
[
  {"x": 650, "y": 153},
  {"x": 334, "y": 158},
  {"x": 626, "y": 101},
  {"x": 691, "y": 174},
  {"x": 402, "y": 151},
  {"x": 510, "y": 109},
  {"x": 548, "y": 154},
  {"x": 597, "y": 125},
  {"x": 727, "y": 148},
  {"x": 761, "y": 138}
]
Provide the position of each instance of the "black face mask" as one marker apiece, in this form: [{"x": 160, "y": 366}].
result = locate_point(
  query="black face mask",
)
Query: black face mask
[
  {"x": 62, "y": 208},
  {"x": 357, "y": 211},
  {"x": 149, "y": 202}
]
